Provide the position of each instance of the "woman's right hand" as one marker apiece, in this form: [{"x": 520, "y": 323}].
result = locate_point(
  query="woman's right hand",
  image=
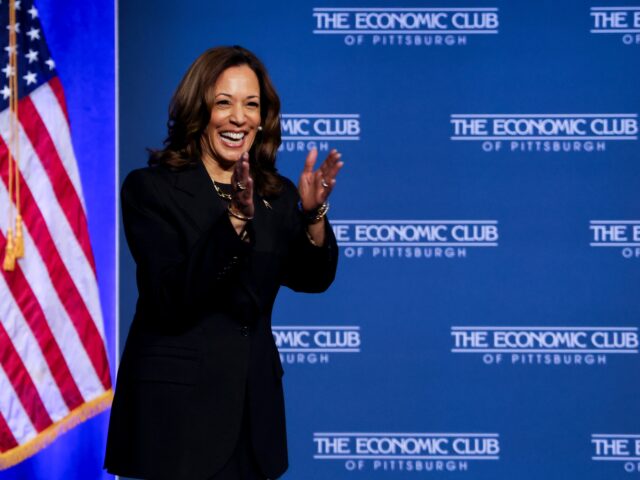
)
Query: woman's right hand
[
  {"x": 241, "y": 192},
  {"x": 242, "y": 187}
]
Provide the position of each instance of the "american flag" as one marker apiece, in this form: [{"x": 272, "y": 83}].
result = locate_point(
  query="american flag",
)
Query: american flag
[{"x": 54, "y": 371}]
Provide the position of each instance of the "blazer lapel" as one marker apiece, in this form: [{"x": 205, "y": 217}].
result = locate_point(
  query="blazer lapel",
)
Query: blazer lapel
[
  {"x": 196, "y": 196},
  {"x": 199, "y": 202}
]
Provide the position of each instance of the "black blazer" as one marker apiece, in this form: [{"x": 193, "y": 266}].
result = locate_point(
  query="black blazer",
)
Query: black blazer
[{"x": 200, "y": 344}]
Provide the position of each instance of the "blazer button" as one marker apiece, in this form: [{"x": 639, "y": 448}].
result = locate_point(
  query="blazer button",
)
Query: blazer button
[{"x": 244, "y": 331}]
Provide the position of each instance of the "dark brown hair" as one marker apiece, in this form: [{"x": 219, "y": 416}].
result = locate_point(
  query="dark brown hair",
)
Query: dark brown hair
[{"x": 190, "y": 112}]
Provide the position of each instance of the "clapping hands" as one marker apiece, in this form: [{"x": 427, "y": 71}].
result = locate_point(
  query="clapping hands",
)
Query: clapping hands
[{"x": 315, "y": 187}]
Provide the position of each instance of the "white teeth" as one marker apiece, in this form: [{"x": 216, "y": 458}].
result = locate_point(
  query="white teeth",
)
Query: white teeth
[{"x": 233, "y": 135}]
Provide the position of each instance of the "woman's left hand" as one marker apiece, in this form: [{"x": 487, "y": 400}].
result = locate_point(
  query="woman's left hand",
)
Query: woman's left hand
[{"x": 315, "y": 187}]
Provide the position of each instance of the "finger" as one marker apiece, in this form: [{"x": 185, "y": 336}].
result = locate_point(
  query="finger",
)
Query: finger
[
  {"x": 310, "y": 161},
  {"x": 236, "y": 174},
  {"x": 248, "y": 193},
  {"x": 239, "y": 166},
  {"x": 328, "y": 190},
  {"x": 328, "y": 162},
  {"x": 321, "y": 190},
  {"x": 246, "y": 181},
  {"x": 333, "y": 172},
  {"x": 245, "y": 171}
]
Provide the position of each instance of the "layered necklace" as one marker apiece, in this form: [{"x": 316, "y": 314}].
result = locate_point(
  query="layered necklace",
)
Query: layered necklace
[
  {"x": 227, "y": 196},
  {"x": 221, "y": 194}
]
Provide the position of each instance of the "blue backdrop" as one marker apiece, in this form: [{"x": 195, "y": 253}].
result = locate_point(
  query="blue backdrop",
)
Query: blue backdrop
[{"x": 483, "y": 322}]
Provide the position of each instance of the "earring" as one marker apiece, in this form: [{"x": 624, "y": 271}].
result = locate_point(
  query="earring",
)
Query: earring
[{"x": 259, "y": 128}]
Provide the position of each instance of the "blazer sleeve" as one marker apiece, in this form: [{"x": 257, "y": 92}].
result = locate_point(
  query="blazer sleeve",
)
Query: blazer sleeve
[
  {"x": 170, "y": 277},
  {"x": 308, "y": 268}
]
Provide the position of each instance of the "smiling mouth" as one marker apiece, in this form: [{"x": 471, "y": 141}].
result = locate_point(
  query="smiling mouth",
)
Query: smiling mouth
[{"x": 233, "y": 139}]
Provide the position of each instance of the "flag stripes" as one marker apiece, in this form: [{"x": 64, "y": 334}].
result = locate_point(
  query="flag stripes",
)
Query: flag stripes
[
  {"x": 7, "y": 440},
  {"x": 33, "y": 315},
  {"x": 22, "y": 383},
  {"x": 65, "y": 191},
  {"x": 54, "y": 371},
  {"x": 66, "y": 289}
]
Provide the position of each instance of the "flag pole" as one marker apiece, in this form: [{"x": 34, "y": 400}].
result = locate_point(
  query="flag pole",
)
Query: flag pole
[{"x": 10, "y": 248}]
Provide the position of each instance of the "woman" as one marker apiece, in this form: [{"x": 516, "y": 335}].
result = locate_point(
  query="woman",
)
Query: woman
[{"x": 215, "y": 231}]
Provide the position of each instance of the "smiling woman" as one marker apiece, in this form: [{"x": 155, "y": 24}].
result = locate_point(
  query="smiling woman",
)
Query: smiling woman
[
  {"x": 215, "y": 232},
  {"x": 219, "y": 85}
]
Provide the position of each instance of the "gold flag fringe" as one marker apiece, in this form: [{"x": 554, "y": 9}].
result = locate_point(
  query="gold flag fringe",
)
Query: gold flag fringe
[{"x": 47, "y": 436}]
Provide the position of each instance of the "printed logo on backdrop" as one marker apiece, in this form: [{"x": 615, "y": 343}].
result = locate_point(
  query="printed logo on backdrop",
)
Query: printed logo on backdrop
[
  {"x": 544, "y": 132},
  {"x": 544, "y": 345},
  {"x": 407, "y": 452},
  {"x": 414, "y": 239},
  {"x": 302, "y": 132},
  {"x": 315, "y": 344},
  {"x": 398, "y": 26},
  {"x": 623, "y": 22},
  {"x": 621, "y": 235},
  {"x": 617, "y": 449}
]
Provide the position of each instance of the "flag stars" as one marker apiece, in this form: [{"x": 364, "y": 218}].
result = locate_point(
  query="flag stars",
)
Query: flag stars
[
  {"x": 33, "y": 34},
  {"x": 51, "y": 64},
  {"x": 8, "y": 71},
  {"x": 17, "y": 3},
  {"x": 32, "y": 56},
  {"x": 10, "y": 49},
  {"x": 30, "y": 78},
  {"x": 17, "y": 27},
  {"x": 6, "y": 92},
  {"x": 33, "y": 11}
]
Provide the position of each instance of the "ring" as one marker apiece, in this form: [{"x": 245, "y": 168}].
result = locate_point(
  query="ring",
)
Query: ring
[
  {"x": 240, "y": 186},
  {"x": 324, "y": 184}
]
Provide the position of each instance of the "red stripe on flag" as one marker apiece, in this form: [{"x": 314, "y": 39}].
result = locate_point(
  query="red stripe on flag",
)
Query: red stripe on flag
[
  {"x": 58, "y": 91},
  {"x": 22, "y": 383},
  {"x": 62, "y": 281},
  {"x": 65, "y": 192},
  {"x": 35, "y": 318},
  {"x": 7, "y": 440}
]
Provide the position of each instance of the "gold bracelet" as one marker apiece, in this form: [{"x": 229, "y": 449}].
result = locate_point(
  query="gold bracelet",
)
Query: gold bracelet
[
  {"x": 316, "y": 215},
  {"x": 239, "y": 216}
]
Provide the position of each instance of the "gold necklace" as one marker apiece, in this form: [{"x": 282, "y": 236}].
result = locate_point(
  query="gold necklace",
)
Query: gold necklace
[
  {"x": 227, "y": 196},
  {"x": 220, "y": 193}
]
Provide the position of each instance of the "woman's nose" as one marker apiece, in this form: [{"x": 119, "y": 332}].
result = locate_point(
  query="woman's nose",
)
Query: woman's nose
[{"x": 237, "y": 115}]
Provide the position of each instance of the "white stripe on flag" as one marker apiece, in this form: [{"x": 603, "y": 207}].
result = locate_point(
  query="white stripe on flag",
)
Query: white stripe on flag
[
  {"x": 64, "y": 239},
  {"x": 29, "y": 352},
  {"x": 53, "y": 116},
  {"x": 13, "y": 411},
  {"x": 62, "y": 328}
]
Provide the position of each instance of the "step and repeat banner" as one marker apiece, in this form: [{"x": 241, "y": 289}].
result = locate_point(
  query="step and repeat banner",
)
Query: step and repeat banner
[{"x": 484, "y": 320}]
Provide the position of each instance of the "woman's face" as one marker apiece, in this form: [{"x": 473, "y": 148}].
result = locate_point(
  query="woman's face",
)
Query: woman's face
[{"x": 235, "y": 116}]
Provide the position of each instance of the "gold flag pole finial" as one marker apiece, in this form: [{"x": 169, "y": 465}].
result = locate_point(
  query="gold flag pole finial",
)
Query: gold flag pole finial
[{"x": 18, "y": 247}]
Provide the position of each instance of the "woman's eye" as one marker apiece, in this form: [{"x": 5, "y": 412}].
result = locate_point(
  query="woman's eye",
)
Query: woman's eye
[
  {"x": 223, "y": 102},
  {"x": 254, "y": 104}
]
